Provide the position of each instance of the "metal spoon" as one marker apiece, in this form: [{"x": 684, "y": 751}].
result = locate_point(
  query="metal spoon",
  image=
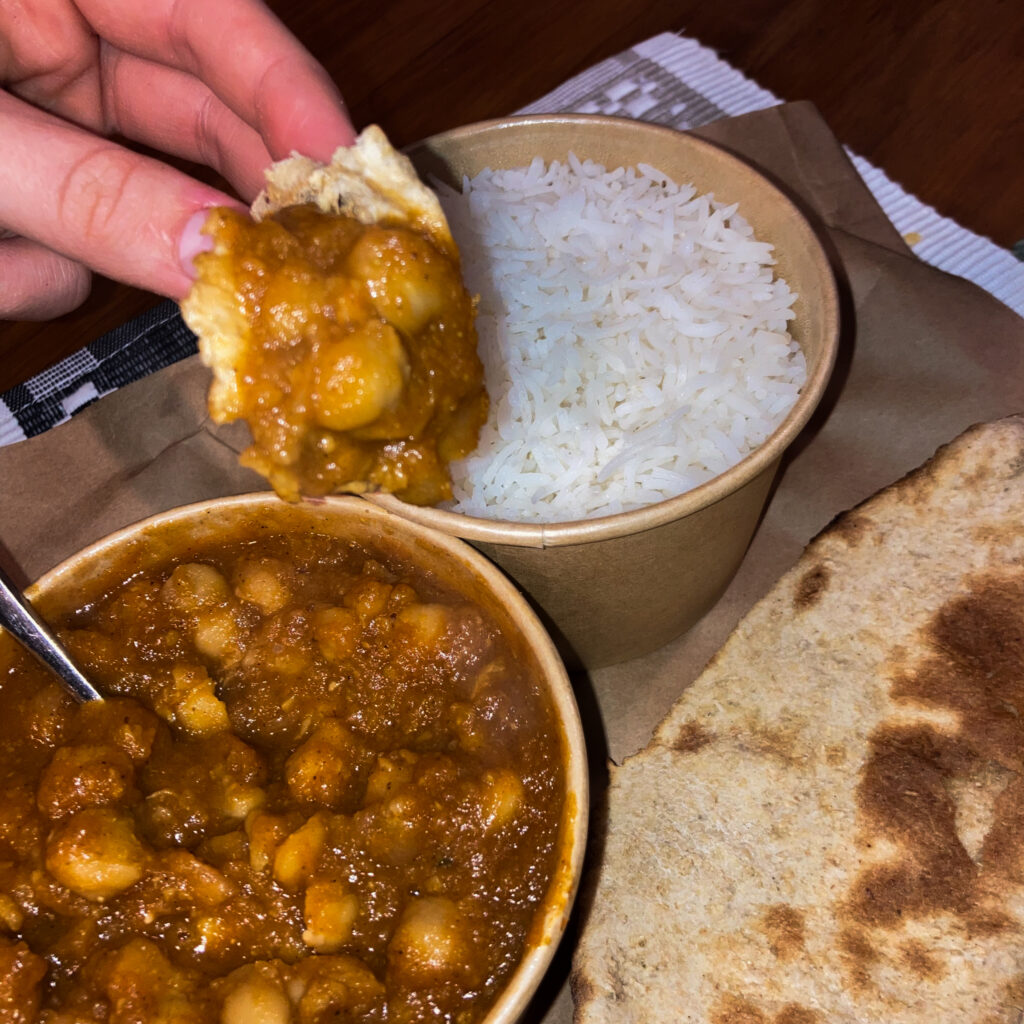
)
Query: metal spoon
[{"x": 19, "y": 618}]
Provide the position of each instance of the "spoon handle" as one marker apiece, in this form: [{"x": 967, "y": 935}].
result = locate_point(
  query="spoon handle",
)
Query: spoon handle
[{"x": 19, "y": 618}]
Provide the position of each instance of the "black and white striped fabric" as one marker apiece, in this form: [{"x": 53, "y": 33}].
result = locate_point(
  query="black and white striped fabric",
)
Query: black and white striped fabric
[
  {"x": 670, "y": 80},
  {"x": 142, "y": 346}
]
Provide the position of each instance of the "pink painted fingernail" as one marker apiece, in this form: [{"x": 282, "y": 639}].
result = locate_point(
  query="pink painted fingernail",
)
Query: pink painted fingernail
[{"x": 193, "y": 241}]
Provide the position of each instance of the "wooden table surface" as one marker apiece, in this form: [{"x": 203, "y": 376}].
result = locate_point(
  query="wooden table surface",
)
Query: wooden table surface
[{"x": 931, "y": 91}]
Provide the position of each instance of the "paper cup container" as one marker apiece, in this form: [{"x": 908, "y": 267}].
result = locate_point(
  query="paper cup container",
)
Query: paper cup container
[
  {"x": 89, "y": 574},
  {"x": 618, "y": 587}
]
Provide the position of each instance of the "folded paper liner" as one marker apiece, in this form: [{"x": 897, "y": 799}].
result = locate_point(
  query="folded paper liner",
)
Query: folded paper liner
[{"x": 923, "y": 356}]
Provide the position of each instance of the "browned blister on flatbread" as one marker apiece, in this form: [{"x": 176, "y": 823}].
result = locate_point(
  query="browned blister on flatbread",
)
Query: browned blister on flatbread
[{"x": 826, "y": 827}]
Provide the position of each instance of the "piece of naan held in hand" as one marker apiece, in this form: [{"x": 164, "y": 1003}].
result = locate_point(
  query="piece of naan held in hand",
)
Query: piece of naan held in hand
[
  {"x": 337, "y": 325},
  {"x": 827, "y": 827}
]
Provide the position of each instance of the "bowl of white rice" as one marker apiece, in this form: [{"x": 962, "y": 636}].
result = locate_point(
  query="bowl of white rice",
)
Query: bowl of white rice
[{"x": 657, "y": 323}]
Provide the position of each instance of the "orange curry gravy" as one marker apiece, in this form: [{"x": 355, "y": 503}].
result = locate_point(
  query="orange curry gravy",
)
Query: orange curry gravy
[
  {"x": 324, "y": 788},
  {"x": 362, "y": 363}
]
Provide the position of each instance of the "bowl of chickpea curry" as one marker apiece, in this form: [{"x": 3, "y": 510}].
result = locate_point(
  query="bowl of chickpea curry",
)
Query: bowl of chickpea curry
[{"x": 338, "y": 775}]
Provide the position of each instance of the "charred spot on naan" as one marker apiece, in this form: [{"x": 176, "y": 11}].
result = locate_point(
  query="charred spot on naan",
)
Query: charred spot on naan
[
  {"x": 811, "y": 586},
  {"x": 793, "y": 1013},
  {"x": 785, "y": 929},
  {"x": 988, "y": 537},
  {"x": 852, "y": 527},
  {"x": 736, "y": 1010},
  {"x": 858, "y": 955},
  {"x": 785, "y": 743},
  {"x": 902, "y": 797},
  {"x": 692, "y": 736},
  {"x": 978, "y": 641},
  {"x": 909, "y": 785},
  {"x": 917, "y": 958}
]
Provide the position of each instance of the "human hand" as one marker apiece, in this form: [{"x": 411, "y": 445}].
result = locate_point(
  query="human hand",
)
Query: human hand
[{"x": 218, "y": 82}]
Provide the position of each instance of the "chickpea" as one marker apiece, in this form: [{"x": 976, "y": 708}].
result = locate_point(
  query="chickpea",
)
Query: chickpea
[
  {"x": 227, "y": 846},
  {"x": 82, "y": 776},
  {"x": 395, "y": 827},
  {"x": 257, "y": 996},
  {"x": 359, "y": 377},
  {"x": 401, "y": 595},
  {"x": 323, "y": 769},
  {"x": 283, "y": 658},
  {"x": 291, "y": 299},
  {"x": 426, "y": 622},
  {"x": 264, "y": 583},
  {"x": 336, "y": 631},
  {"x": 201, "y": 882},
  {"x": 266, "y": 832},
  {"x": 240, "y": 799},
  {"x": 95, "y": 853},
  {"x": 390, "y": 774},
  {"x": 201, "y": 713},
  {"x": 296, "y": 858},
  {"x": 501, "y": 799},
  {"x": 217, "y": 635},
  {"x": 193, "y": 586},
  {"x": 407, "y": 279},
  {"x": 135, "y": 729},
  {"x": 430, "y": 943},
  {"x": 466, "y": 726},
  {"x": 367, "y": 598},
  {"x": 338, "y": 988},
  {"x": 11, "y": 915},
  {"x": 347, "y": 299},
  {"x": 143, "y": 985},
  {"x": 192, "y": 703},
  {"x": 21, "y": 982},
  {"x": 330, "y": 912}
]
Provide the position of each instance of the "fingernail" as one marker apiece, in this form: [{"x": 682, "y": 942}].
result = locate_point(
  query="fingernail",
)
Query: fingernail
[{"x": 193, "y": 241}]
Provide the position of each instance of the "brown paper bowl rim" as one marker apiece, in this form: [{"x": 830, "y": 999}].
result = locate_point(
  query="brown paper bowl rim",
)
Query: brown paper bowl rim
[
  {"x": 553, "y": 913},
  {"x": 538, "y": 535}
]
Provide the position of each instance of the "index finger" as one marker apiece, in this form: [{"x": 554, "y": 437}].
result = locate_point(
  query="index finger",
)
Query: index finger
[{"x": 247, "y": 58}]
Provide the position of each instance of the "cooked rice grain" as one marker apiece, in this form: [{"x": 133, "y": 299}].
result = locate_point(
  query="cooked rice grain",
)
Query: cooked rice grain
[{"x": 634, "y": 337}]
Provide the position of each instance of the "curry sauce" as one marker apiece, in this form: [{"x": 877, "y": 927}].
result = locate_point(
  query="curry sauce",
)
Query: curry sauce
[
  {"x": 323, "y": 788},
  {"x": 357, "y": 367}
]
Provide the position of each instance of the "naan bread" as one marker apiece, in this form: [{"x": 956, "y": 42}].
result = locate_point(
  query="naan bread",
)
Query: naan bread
[
  {"x": 369, "y": 181},
  {"x": 829, "y": 824},
  {"x": 337, "y": 325}
]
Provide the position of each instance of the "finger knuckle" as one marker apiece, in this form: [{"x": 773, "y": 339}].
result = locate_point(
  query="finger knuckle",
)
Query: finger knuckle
[
  {"x": 92, "y": 196},
  {"x": 207, "y": 136}
]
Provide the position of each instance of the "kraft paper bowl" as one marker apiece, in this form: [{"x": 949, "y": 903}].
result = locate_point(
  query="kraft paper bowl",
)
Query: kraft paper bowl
[
  {"x": 618, "y": 587},
  {"x": 90, "y": 574}
]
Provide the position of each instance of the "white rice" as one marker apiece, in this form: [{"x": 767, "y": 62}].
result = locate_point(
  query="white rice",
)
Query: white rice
[{"x": 633, "y": 335}]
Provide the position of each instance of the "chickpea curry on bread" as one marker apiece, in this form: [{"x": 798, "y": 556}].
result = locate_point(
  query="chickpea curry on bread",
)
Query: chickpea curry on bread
[
  {"x": 323, "y": 787},
  {"x": 338, "y": 327}
]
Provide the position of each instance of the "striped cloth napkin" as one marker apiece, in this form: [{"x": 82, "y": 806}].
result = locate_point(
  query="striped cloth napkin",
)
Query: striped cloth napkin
[{"x": 668, "y": 79}]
